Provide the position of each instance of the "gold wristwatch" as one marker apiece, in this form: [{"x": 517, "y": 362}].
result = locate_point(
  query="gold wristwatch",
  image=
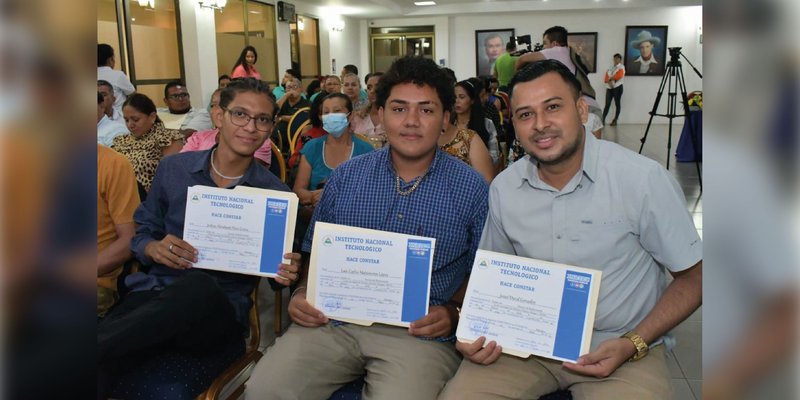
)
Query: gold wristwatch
[{"x": 641, "y": 346}]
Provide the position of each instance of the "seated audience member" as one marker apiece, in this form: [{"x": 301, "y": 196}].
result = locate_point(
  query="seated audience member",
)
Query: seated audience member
[
  {"x": 413, "y": 188},
  {"x": 117, "y": 199},
  {"x": 489, "y": 107},
  {"x": 312, "y": 131},
  {"x": 107, "y": 90},
  {"x": 366, "y": 121},
  {"x": 122, "y": 86},
  {"x": 287, "y": 106},
  {"x": 351, "y": 86},
  {"x": 205, "y": 140},
  {"x": 312, "y": 89},
  {"x": 179, "y": 113},
  {"x": 223, "y": 81},
  {"x": 332, "y": 84},
  {"x": 352, "y": 69},
  {"x": 148, "y": 141},
  {"x": 246, "y": 64},
  {"x": 107, "y": 129},
  {"x": 569, "y": 186},
  {"x": 289, "y": 75},
  {"x": 319, "y": 157},
  {"x": 467, "y": 146},
  {"x": 173, "y": 307},
  {"x": 470, "y": 114}
]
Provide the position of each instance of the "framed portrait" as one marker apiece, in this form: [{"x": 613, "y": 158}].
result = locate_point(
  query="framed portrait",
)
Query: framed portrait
[
  {"x": 490, "y": 44},
  {"x": 645, "y": 50},
  {"x": 585, "y": 45}
]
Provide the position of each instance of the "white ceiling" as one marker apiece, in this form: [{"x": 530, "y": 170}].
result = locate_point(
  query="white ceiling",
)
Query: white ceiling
[{"x": 406, "y": 8}]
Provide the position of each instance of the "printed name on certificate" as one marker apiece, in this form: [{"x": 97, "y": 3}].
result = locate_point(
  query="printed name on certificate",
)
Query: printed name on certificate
[{"x": 530, "y": 306}]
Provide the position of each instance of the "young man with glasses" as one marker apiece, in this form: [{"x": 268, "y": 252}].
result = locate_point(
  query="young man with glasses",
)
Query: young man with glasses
[
  {"x": 173, "y": 308},
  {"x": 179, "y": 113}
]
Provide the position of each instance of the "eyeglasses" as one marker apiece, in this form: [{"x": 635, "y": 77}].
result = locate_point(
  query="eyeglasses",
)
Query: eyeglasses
[
  {"x": 240, "y": 118},
  {"x": 177, "y": 96}
]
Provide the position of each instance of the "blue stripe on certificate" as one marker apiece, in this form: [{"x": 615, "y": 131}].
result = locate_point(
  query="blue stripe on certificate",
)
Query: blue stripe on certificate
[
  {"x": 415, "y": 288},
  {"x": 573, "y": 315},
  {"x": 274, "y": 227}
]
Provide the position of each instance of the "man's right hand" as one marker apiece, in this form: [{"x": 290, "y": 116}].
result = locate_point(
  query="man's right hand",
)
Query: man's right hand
[
  {"x": 171, "y": 251},
  {"x": 478, "y": 354},
  {"x": 303, "y": 313}
]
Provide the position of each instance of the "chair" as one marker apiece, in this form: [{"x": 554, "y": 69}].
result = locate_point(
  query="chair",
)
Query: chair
[
  {"x": 352, "y": 391},
  {"x": 299, "y": 120},
  {"x": 278, "y": 167},
  {"x": 277, "y": 163},
  {"x": 238, "y": 373},
  {"x": 182, "y": 375},
  {"x": 362, "y": 137}
]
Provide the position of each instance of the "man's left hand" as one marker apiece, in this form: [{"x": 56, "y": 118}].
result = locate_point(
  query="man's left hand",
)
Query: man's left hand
[
  {"x": 289, "y": 273},
  {"x": 602, "y": 362},
  {"x": 437, "y": 323}
]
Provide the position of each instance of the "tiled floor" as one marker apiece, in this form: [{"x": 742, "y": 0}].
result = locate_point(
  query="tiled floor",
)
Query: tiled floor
[{"x": 684, "y": 360}]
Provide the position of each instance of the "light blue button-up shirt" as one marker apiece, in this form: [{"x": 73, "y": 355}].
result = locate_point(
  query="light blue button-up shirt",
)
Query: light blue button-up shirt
[{"x": 622, "y": 213}]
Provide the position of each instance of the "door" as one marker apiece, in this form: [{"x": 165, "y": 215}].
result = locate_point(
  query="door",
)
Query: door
[{"x": 389, "y": 44}]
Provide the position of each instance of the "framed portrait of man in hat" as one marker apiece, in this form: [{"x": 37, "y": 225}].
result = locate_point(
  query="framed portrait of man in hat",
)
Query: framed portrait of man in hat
[{"x": 645, "y": 50}]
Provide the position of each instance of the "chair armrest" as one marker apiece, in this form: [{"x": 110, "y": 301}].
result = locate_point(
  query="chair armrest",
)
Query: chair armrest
[{"x": 230, "y": 374}]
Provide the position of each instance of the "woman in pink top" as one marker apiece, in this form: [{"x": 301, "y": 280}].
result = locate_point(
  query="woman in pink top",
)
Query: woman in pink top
[{"x": 246, "y": 64}]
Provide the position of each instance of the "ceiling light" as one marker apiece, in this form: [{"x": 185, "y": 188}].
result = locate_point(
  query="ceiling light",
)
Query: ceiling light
[{"x": 424, "y": 3}]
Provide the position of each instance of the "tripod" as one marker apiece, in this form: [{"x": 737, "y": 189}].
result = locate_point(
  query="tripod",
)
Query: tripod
[{"x": 673, "y": 79}]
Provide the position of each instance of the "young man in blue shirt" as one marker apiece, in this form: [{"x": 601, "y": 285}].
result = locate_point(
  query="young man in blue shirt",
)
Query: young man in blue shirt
[{"x": 408, "y": 187}]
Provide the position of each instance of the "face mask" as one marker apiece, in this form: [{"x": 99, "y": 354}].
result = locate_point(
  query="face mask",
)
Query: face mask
[{"x": 335, "y": 123}]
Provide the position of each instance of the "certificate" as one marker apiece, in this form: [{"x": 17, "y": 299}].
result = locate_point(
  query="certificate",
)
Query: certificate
[
  {"x": 244, "y": 230},
  {"x": 363, "y": 276},
  {"x": 530, "y": 306}
]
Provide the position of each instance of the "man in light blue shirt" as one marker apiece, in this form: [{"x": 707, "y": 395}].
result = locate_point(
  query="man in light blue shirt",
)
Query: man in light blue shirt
[{"x": 591, "y": 203}]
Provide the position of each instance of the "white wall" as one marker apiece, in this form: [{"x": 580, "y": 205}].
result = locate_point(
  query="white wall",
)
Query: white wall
[
  {"x": 199, "y": 51},
  {"x": 640, "y": 92}
]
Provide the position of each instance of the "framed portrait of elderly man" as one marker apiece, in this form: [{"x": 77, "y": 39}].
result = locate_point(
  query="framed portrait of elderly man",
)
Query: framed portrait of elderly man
[
  {"x": 490, "y": 44},
  {"x": 645, "y": 50},
  {"x": 585, "y": 45}
]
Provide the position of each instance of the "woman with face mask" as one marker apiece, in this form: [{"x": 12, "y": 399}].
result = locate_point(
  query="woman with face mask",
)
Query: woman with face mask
[{"x": 320, "y": 156}]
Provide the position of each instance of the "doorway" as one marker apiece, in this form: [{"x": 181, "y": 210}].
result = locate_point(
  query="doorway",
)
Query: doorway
[{"x": 389, "y": 44}]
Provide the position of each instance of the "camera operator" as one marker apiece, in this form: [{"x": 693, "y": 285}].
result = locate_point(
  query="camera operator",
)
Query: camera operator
[{"x": 554, "y": 41}]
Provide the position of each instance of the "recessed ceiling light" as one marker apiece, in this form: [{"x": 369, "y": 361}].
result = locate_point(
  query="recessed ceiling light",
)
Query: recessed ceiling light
[{"x": 424, "y": 3}]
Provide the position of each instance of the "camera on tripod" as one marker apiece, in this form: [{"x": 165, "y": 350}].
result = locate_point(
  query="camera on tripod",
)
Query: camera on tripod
[
  {"x": 526, "y": 40},
  {"x": 674, "y": 54}
]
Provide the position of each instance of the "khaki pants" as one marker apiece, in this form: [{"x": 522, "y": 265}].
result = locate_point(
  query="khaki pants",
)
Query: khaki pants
[
  {"x": 516, "y": 378},
  {"x": 312, "y": 363}
]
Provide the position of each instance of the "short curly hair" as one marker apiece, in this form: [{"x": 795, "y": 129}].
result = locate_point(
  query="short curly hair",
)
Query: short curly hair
[{"x": 419, "y": 71}]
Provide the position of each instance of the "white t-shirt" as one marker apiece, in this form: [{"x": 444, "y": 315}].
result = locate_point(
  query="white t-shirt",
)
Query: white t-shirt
[{"x": 122, "y": 85}]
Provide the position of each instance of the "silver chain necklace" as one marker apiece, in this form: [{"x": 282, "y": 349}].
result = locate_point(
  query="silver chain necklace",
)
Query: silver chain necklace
[
  {"x": 409, "y": 191},
  {"x": 214, "y": 167}
]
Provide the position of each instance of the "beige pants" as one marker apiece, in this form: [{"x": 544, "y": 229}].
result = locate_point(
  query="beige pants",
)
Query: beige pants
[
  {"x": 312, "y": 363},
  {"x": 516, "y": 378}
]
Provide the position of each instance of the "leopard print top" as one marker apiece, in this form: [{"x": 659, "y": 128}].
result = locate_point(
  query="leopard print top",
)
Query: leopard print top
[
  {"x": 144, "y": 152},
  {"x": 459, "y": 146}
]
